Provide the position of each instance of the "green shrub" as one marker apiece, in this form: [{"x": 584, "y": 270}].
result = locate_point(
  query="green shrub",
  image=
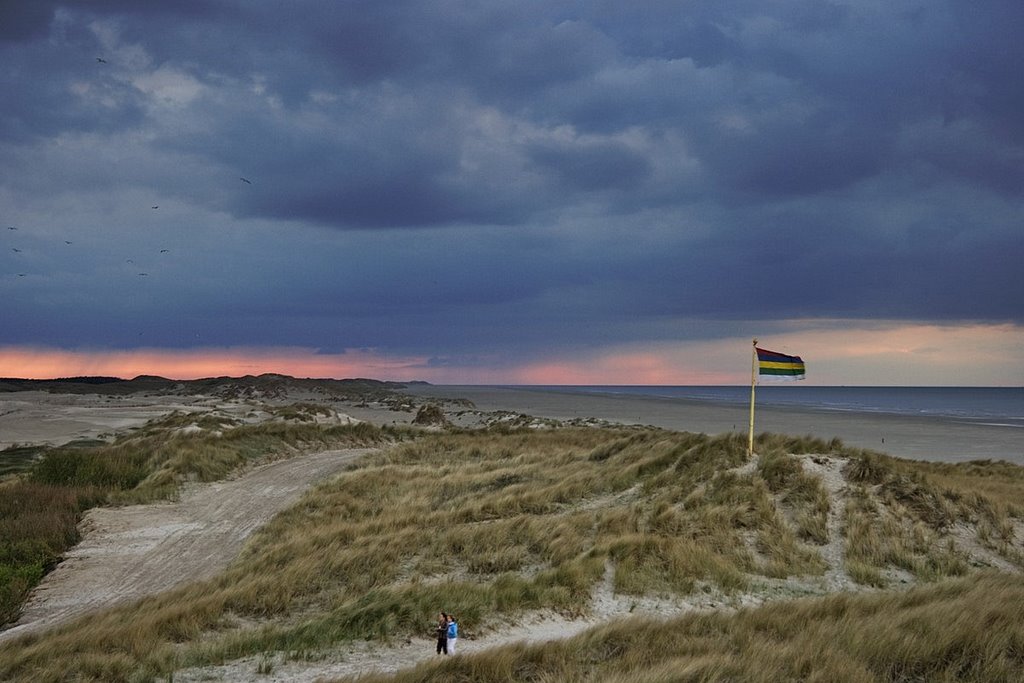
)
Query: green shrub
[
  {"x": 16, "y": 459},
  {"x": 105, "y": 468},
  {"x": 430, "y": 414},
  {"x": 37, "y": 523}
]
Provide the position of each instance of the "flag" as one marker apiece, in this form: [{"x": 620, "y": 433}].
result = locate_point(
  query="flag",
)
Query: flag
[{"x": 779, "y": 365}]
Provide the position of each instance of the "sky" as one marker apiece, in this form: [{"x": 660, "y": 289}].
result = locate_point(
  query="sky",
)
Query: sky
[{"x": 531, "y": 192}]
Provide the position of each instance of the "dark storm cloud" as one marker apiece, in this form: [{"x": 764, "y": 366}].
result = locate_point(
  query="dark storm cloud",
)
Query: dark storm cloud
[
  {"x": 506, "y": 175},
  {"x": 38, "y": 103},
  {"x": 592, "y": 167},
  {"x": 20, "y": 21}
]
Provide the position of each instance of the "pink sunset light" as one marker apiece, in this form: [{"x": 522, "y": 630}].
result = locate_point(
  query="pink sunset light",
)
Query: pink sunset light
[
  {"x": 196, "y": 363},
  {"x": 873, "y": 354}
]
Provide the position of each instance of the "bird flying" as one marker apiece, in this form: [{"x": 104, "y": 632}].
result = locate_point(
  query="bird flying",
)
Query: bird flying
[
  {"x": 11, "y": 227},
  {"x": 164, "y": 251},
  {"x": 155, "y": 207},
  {"x": 246, "y": 180},
  {"x": 17, "y": 250},
  {"x": 101, "y": 60}
]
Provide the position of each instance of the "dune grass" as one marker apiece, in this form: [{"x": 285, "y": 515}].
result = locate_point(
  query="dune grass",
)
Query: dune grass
[
  {"x": 800, "y": 493},
  {"x": 495, "y": 523},
  {"x": 899, "y": 514},
  {"x": 968, "y": 630}
]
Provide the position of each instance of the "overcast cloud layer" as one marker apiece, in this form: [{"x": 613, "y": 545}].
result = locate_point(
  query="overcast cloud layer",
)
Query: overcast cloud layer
[{"x": 498, "y": 183}]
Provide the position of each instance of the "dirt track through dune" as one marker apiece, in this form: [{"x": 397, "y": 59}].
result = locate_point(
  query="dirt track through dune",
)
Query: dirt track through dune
[{"x": 130, "y": 552}]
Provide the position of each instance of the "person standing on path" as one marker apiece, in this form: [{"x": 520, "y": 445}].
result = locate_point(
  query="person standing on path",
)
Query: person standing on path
[
  {"x": 453, "y": 634},
  {"x": 442, "y": 634}
]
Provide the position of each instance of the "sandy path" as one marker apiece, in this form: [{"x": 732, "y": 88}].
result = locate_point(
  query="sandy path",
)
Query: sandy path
[
  {"x": 830, "y": 471},
  {"x": 131, "y": 552},
  {"x": 360, "y": 658}
]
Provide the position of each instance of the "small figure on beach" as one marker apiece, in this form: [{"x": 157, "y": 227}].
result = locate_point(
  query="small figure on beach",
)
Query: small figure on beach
[
  {"x": 453, "y": 633},
  {"x": 442, "y": 634}
]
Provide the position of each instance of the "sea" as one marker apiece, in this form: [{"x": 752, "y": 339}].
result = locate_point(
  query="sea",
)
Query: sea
[{"x": 991, "y": 406}]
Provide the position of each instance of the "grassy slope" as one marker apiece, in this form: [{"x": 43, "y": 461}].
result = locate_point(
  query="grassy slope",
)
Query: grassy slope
[
  {"x": 498, "y": 523},
  {"x": 40, "y": 510}
]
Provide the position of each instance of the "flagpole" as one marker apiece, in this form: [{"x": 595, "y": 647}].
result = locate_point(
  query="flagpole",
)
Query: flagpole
[{"x": 753, "y": 383}]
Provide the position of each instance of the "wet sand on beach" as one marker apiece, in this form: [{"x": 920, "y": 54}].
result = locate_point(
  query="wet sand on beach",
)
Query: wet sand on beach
[{"x": 921, "y": 438}]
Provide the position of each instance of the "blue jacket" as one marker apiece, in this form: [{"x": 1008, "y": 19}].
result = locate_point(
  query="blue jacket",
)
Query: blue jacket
[{"x": 453, "y": 630}]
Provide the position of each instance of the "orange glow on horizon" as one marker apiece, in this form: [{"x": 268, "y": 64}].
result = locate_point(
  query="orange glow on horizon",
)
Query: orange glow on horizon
[
  {"x": 836, "y": 353},
  {"x": 194, "y": 363}
]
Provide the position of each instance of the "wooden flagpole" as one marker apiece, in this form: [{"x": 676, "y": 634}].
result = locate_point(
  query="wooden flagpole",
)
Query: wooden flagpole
[{"x": 753, "y": 383}]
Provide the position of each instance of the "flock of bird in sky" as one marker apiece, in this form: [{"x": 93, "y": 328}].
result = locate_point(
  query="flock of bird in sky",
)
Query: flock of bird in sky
[
  {"x": 130, "y": 261},
  {"x": 18, "y": 250}
]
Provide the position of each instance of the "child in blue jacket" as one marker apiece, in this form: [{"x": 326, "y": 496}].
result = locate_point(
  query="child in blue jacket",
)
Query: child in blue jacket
[{"x": 453, "y": 634}]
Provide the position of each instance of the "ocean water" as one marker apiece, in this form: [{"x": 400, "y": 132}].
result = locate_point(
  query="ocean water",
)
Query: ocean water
[{"x": 995, "y": 406}]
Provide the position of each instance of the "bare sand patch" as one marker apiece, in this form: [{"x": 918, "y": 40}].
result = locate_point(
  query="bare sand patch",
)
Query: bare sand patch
[{"x": 131, "y": 552}]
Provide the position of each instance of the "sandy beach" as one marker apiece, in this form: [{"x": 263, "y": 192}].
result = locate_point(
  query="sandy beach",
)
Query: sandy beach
[
  {"x": 38, "y": 417},
  {"x": 922, "y": 438}
]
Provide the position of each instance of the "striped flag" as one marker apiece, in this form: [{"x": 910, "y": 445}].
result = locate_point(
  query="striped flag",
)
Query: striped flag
[{"x": 779, "y": 365}]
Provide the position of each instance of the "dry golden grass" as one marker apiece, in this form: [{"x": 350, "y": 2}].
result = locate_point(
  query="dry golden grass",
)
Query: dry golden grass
[
  {"x": 968, "y": 631},
  {"x": 486, "y": 524},
  {"x": 800, "y": 494},
  {"x": 901, "y": 512}
]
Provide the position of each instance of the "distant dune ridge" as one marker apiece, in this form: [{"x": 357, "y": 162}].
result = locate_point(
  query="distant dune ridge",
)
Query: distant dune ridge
[{"x": 269, "y": 383}]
